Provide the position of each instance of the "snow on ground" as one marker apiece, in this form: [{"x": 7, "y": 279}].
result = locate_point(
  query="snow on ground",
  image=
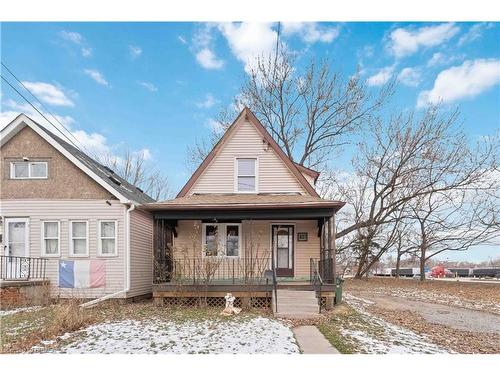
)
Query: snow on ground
[
  {"x": 18, "y": 310},
  {"x": 381, "y": 337},
  {"x": 237, "y": 335},
  {"x": 442, "y": 298}
]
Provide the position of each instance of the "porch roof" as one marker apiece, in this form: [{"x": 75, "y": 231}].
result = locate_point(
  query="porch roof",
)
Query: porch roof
[{"x": 244, "y": 206}]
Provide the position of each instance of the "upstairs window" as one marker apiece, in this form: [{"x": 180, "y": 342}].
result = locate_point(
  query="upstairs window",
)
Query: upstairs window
[
  {"x": 246, "y": 175},
  {"x": 23, "y": 170}
]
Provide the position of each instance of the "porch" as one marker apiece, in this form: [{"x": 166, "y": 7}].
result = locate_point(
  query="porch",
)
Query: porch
[{"x": 207, "y": 249}]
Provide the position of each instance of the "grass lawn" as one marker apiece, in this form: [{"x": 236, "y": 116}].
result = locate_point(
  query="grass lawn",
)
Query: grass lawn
[{"x": 143, "y": 328}]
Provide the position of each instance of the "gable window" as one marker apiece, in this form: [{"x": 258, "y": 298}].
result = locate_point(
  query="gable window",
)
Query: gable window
[
  {"x": 107, "y": 238},
  {"x": 222, "y": 240},
  {"x": 246, "y": 174},
  {"x": 28, "y": 170},
  {"x": 79, "y": 241},
  {"x": 50, "y": 238}
]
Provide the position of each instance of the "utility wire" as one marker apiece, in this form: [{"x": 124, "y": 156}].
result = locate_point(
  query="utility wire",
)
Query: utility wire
[{"x": 46, "y": 109}]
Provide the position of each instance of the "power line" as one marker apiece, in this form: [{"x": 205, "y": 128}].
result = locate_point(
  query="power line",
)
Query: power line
[{"x": 46, "y": 109}]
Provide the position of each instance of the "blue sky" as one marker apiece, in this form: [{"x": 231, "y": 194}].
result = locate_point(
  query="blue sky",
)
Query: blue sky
[{"x": 156, "y": 86}]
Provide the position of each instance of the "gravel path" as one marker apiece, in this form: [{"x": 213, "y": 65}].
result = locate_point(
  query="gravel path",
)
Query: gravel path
[{"x": 452, "y": 316}]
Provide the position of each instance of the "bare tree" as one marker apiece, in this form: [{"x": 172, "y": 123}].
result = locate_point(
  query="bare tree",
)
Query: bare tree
[
  {"x": 133, "y": 167},
  {"x": 453, "y": 221},
  {"x": 309, "y": 115},
  {"x": 403, "y": 161}
]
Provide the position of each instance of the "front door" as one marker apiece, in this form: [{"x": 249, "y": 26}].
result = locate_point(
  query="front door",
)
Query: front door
[
  {"x": 283, "y": 249},
  {"x": 17, "y": 248}
]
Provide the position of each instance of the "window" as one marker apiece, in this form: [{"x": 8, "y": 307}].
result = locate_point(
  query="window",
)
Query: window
[
  {"x": 50, "y": 238},
  {"x": 28, "y": 170},
  {"x": 79, "y": 242},
  {"x": 221, "y": 240},
  {"x": 107, "y": 238},
  {"x": 246, "y": 175}
]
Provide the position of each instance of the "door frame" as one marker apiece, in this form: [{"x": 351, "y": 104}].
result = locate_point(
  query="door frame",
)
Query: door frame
[
  {"x": 26, "y": 222},
  {"x": 290, "y": 272}
]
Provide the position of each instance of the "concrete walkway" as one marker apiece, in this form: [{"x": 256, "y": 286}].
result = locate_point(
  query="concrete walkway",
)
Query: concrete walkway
[{"x": 312, "y": 341}]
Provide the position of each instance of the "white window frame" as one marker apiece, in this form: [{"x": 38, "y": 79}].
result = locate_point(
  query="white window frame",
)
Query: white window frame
[
  {"x": 29, "y": 163},
  {"x": 222, "y": 240},
  {"x": 71, "y": 238},
  {"x": 236, "y": 175},
  {"x": 100, "y": 238},
  {"x": 58, "y": 238}
]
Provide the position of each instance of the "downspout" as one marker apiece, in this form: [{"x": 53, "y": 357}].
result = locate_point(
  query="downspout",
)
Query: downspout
[{"x": 126, "y": 268}]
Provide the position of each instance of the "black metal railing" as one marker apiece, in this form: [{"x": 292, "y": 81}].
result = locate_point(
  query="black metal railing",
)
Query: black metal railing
[
  {"x": 326, "y": 270},
  {"x": 213, "y": 270},
  {"x": 316, "y": 279},
  {"x": 22, "y": 268}
]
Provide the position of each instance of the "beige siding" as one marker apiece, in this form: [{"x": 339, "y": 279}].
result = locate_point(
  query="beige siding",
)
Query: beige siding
[
  {"x": 63, "y": 211},
  {"x": 273, "y": 175},
  {"x": 309, "y": 179},
  {"x": 141, "y": 253},
  {"x": 256, "y": 235}
]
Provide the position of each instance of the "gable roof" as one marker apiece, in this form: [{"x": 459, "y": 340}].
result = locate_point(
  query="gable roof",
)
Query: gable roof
[
  {"x": 119, "y": 187},
  {"x": 249, "y": 116}
]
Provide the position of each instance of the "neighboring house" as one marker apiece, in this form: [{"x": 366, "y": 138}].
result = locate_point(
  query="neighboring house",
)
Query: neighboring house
[
  {"x": 248, "y": 210},
  {"x": 58, "y": 204}
]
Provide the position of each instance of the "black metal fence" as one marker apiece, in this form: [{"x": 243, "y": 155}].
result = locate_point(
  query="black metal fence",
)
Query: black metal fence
[
  {"x": 325, "y": 269},
  {"x": 213, "y": 270},
  {"x": 22, "y": 268}
]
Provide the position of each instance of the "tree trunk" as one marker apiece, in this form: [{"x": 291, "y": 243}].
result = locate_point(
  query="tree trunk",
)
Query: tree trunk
[
  {"x": 422, "y": 264},
  {"x": 398, "y": 261}
]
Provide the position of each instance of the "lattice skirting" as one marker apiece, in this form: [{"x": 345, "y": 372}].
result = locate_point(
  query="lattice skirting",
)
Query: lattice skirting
[{"x": 253, "y": 302}]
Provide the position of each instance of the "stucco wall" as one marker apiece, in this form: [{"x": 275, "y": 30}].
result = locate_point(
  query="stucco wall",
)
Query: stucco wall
[{"x": 65, "y": 180}]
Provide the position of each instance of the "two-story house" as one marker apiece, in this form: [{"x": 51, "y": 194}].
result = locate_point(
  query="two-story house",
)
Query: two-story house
[
  {"x": 249, "y": 220},
  {"x": 68, "y": 219}
]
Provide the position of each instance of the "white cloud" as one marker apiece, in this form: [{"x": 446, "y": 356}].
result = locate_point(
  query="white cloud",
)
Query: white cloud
[
  {"x": 135, "y": 51},
  {"x": 86, "y": 51},
  {"x": 475, "y": 32},
  {"x": 208, "y": 102},
  {"x": 207, "y": 59},
  {"x": 203, "y": 48},
  {"x": 72, "y": 36},
  {"x": 148, "y": 86},
  {"x": 48, "y": 93},
  {"x": 410, "y": 77},
  {"x": 182, "y": 39},
  {"x": 311, "y": 32},
  {"x": 79, "y": 40},
  {"x": 381, "y": 77},
  {"x": 439, "y": 58},
  {"x": 248, "y": 40},
  {"x": 96, "y": 76},
  {"x": 464, "y": 81},
  {"x": 94, "y": 144},
  {"x": 403, "y": 42}
]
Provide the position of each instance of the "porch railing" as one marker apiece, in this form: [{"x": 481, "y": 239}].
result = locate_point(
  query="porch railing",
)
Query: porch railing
[
  {"x": 213, "y": 270},
  {"x": 316, "y": 279},
  {"x": 22, "y": 268},
  {"x": 325, "y": 269}
]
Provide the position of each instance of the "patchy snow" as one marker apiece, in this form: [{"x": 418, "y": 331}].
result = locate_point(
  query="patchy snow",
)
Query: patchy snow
[
  {"x": 236, "y": 335},
  {"x": 381, "y": 337},
  {"x": 18, "y": 310}
]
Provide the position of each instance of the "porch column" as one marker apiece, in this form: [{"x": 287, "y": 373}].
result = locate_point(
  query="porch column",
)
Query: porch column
[{"x": 331, "y": 245}]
